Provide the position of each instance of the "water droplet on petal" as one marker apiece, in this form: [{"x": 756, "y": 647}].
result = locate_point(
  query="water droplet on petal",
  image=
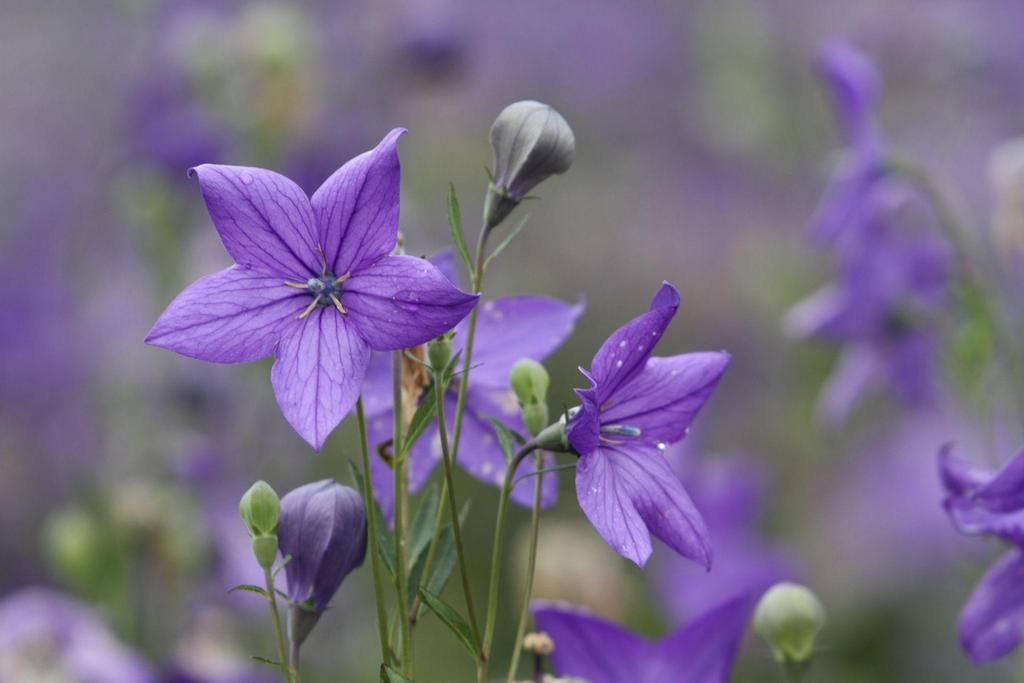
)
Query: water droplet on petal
[{"x": 662, "y": 445}]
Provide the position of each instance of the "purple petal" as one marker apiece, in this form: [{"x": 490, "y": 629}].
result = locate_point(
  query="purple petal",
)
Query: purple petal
[
  {"x": 992, "y": 621},
  {"x": 845, "y": 199},
  {"x": 704, "y": 650},
  {"x": 958, "y": 476},
  {"x": 401, "y": 301},
  {"x": 234, "y": 316},
  {"x": 628, "y": 494},
  {"x": 446, "y": 262},
  {"x": 859, "y": 370},
  {"x": 855, "y": 86},
  {"x": 626, "y": 351},
  {"x": 304, "y": 534},
  {"x": 516, "y": 327},
  {"x": 378, "y": 387},
  {"x": 984, "y": 502},
  {"x": 663, "y": 399},
  {"x": 357, "y": 208},
  {"x": 593, "y": 649},
  {"x": 317, "y": 374},
  {"x": 263, "y": 218}
]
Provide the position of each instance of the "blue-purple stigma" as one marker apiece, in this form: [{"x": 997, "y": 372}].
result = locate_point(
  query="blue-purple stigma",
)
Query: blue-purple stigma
[{"x": 326, "y": 290}]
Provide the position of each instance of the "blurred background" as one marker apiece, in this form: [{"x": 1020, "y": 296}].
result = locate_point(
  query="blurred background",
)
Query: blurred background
[{"x": 704, "y": 141}]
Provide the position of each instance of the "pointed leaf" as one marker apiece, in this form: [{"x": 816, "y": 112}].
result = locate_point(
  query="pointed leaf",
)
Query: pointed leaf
[
  {"x": 455, "y": 223},
  {"x": 444, "y": 559},
  {"x": 507, "y": 439},
  {"x": 453, "y": 620},
  {"x": 268, "y": 662},
  {"x": 508, "y": 240},
  {"x": 421, "y": 533},
  {"x": 421, "y": 419},
  {"x": 249, "y": 588}
]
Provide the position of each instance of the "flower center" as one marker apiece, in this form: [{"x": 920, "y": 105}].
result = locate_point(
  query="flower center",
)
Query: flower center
[{"x": 326, "y": 290}]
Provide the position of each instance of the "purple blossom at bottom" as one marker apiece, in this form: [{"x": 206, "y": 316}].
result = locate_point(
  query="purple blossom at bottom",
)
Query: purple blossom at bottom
[
  {"x": 728, "y": 490},
  {"x": 598, "y": 651},
  {"x": 322, "y": 528},
  {"x": 982, "y": 502},
  {"x": 637, "y": 406},
  {"x": 507, "y": 329},
  {"x": 314, "y": 284},
  {"x": 46, "y": 635}
]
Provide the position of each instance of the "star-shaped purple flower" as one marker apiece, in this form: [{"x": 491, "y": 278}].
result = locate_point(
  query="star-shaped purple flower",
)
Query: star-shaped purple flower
[
  {"x": 507, "y": 330},
  {"x": 314, "y": 283},
  {"x": 635, "y": 408},
  {"x": 597, "y": 651},
  {"x": 982, "y": 502}
]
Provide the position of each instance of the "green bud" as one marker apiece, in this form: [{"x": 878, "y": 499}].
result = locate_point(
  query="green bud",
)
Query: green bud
[
  {"x": 535, "y": 417},
  {"x": 789, "y": 618},
  {"x": 260, "y": 508},
  {"x": 76, "y": 548},
  {"x": 530, "y": 382},
  {"x": 439, "y": 352},
  {"x": 265, "y": 549}
]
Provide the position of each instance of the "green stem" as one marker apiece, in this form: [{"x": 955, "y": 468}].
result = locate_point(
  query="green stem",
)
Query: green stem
[
  {"x": 399, "y": 514},
  {"x": 496, "y": 558},
  {"x": 371, "y": 530},
  {"x": 524, "y": 613},
  {"x": 282, "y": 653},
  {"x": 449, "y": 466}
]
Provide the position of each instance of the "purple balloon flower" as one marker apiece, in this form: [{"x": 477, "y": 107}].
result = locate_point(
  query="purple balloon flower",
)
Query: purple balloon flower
[
  {"x": 322, "y": 528},
  {"x": 314, "y": 284},
  {"x": 702, "y": 651},
  {"x": 507, "y": 330},
  {"x": 635, "y": 408},
  {"x": 45, "y": 635},
  {"x": 990, "y": 503},
  {"x": 854, "y": 86}
]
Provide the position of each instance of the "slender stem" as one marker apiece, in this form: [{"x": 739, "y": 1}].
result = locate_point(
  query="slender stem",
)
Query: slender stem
[
  {"x": 449, "y": 466},
  {"x": 282, "y": 653},
  {"x": 294, "y": 663},
  {"x": 400, "y": 543},
  {"x": 371, "y": 530},
  {"x": 477, "y": 283},
  {"x": 496, "y": 557},
  {"x": 524, "y": 613}
]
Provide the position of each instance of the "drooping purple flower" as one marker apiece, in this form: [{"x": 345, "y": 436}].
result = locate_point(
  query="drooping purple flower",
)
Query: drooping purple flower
[
  {"x": 854, "y": 86},
  {"x": 507, "y": 330},
  {"x": 315, "y": 284},
  {"x": 989, "y": 503},
  {"x": 636, "y": 406},
  {"x": 702, "y": 651},
  {"x": 889, "y": 281},
  {"x": 322, "y": 528},
  {"x": 45, "y": 635},
  {"x": 729, "y": 492}
]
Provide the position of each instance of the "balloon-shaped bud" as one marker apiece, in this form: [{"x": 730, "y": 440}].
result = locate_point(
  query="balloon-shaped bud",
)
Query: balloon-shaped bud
[
  {"x": 789, "y": 618},
  {"x": 260, "y": 508},
  {"x": 530, "y": 382},
  {"x": 531, "y": 142}
]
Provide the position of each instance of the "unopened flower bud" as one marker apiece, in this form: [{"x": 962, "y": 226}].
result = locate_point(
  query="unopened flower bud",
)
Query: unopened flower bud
[
  {"x": 260, "y": 508},
  {"x": 439, "y": 351},
  {"x": 538, "y": 644},
  {"x": 530, "y": 382},
  {"x": 264, "y": 548},
  {"x": 531, "y": 142},
  {"x": 789, "y": 618}
]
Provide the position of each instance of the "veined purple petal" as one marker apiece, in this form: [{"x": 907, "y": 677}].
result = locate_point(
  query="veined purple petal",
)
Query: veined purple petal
[
  {"x": 985, "y": 502},
  {"x": 626, "y": 351},
  {"x": 402, "y": 301},
  {"x": 665, "y": 396},
  {"x": 264, "y": 219},
  {"x": 234, "y": 316},
  {"x": 516, "y": 327},
  {"x": 704, "y": 650},
  {"x": 992, "y": 621},
  {"x": 317, "y": 374},
  {"x": 591, "y": 648},
  {"x": 357, "y": 208},
  {"x": 630, "y": 493}
]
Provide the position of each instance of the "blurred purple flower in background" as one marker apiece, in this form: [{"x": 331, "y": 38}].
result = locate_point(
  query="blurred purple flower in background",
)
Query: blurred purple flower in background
[
  {"x": 729, "y": 492},
  {"x": 982, "y": 502},
  {"x": 598, "y": 651},
  {"x": 508, "y": 329},
  {"x": 45, "y": 635},
  {"x": 636, "y": 406},
  {"x": 314, "y": 284}
]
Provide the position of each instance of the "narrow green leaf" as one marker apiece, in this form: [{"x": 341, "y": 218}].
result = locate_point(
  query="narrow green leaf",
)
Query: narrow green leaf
[
  {"x": 507, "y": 439},
  {"x": 389, "y": 675},
  {"x": 284, "y": 563},
  {"x": 385, "y": 541},
  {"x": 455, "y": 223},
  {"x": 421, "y": 419},
  {"x": 444, "y": 559},
  {"x": 249, "y": 588},
  {"x": 421, "y": 532},
  {"x": 268, "y": 662},
  {"x": 508, "y": 240},
  {"x": 452, "y": 369},
  {"x": 453, "y": 620}
]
